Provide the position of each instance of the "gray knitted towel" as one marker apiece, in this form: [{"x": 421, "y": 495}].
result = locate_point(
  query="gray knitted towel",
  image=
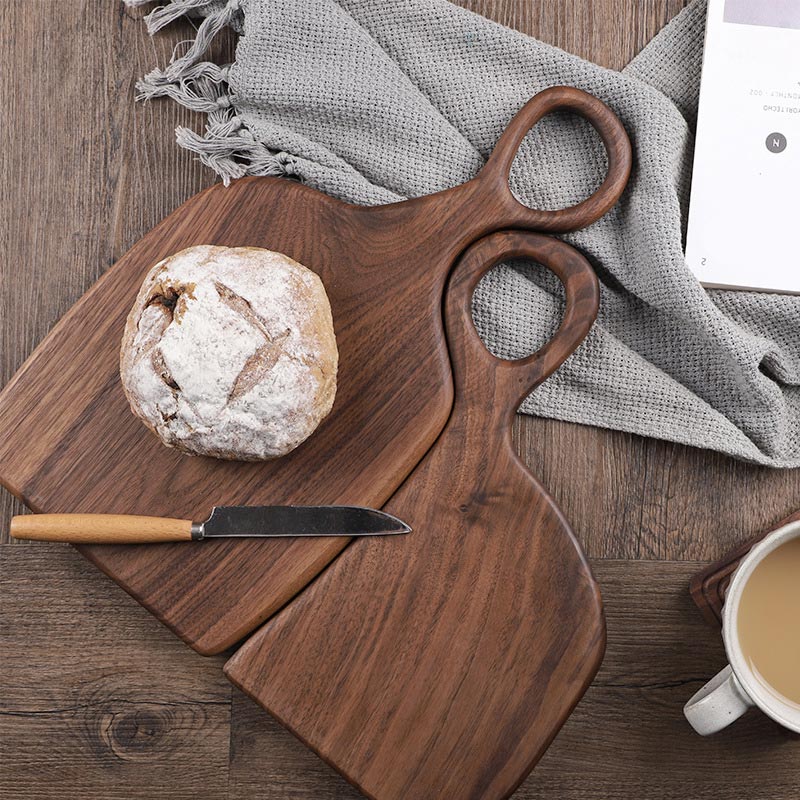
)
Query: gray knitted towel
[{"x": 374, "y": 101}]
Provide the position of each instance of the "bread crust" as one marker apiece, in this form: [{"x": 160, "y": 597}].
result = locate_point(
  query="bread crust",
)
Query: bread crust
[{"x": 230, "y": 352}]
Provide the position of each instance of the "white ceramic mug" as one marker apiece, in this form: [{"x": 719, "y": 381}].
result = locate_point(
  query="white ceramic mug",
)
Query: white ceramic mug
[{"x": 734, "y": 690}]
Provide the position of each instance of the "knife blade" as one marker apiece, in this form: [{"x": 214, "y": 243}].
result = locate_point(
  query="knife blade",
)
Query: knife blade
[{"x": 224, "y": 522}]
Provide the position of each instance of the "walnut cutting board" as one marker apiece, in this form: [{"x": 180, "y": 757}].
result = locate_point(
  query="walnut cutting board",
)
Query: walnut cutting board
[
  {"x": 68, "y": 442},
  {"x": 442, "y": 665}
]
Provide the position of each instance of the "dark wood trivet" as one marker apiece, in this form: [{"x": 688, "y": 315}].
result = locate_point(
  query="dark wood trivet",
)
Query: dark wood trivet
[{"x": 708, "y": 587}]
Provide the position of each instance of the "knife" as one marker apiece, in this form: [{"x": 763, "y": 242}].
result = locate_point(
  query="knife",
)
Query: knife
[{"x": 225, "y": 522}]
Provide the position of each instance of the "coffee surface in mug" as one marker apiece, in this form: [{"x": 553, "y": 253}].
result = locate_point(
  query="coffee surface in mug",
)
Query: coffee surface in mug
[{"x": 769, "y": 622}]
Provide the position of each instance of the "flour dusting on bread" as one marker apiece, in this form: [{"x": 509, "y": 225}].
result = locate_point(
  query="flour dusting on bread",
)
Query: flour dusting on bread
[{"x": 230, "y": 352}]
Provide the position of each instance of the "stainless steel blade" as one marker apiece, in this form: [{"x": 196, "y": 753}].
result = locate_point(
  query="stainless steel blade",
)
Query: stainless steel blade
[{"x": 280, "y": 521}]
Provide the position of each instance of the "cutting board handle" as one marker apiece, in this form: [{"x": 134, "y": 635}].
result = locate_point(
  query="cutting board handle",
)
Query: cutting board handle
[
  {"x": 495, "y": 174},
  {"x": 473, "y": 365}
]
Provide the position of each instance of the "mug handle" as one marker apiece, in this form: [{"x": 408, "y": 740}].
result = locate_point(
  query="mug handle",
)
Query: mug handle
[{"x": 719, "y": 703}]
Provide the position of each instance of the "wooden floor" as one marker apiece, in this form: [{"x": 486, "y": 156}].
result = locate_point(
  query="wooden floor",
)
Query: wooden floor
[{"x": 97, "y": 700}]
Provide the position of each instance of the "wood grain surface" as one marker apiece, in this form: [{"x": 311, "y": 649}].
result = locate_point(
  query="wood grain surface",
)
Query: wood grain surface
[
  {"x": 100, "y": 702},
  {"x": 442, "y": 666},
  {"x": 69, "y": 443},
  {"x": 86, "y": 173}
]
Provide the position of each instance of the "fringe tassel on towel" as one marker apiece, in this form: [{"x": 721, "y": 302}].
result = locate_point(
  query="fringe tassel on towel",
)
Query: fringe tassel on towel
[{"x": 227, "y": 147}]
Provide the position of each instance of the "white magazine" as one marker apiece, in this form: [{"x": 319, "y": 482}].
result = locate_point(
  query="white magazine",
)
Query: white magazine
[{"x": 744, "y": 212}]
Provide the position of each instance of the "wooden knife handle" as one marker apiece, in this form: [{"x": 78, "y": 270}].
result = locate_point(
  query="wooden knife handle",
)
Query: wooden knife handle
[{"x": 100, "y": 528}]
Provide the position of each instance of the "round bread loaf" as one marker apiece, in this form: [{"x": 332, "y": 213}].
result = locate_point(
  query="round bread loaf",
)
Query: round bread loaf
[{"x": 230, "y": 352}]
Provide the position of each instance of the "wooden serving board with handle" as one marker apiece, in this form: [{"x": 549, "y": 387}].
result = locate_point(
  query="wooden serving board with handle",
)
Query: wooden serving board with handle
[
  {"x": 69, "y": 443},
  {"x": 442, "y": 665}
]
